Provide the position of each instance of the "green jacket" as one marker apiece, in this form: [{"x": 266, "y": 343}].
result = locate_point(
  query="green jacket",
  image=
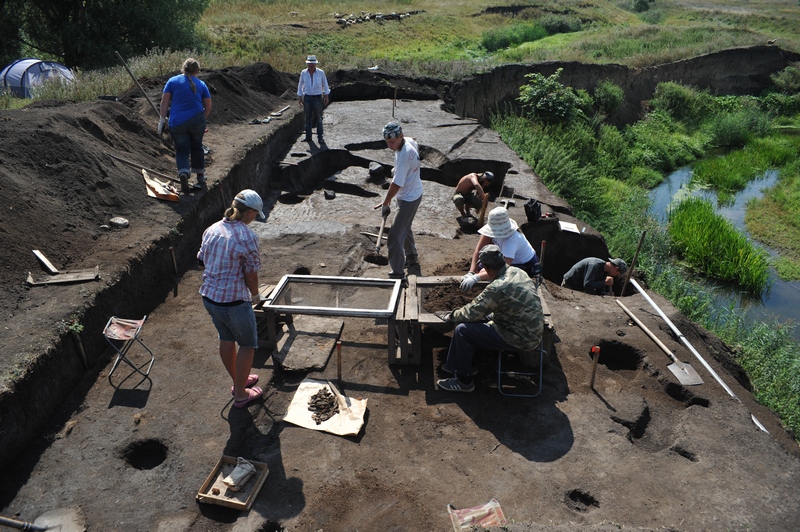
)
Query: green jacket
[{"x": 513, "y": 301}]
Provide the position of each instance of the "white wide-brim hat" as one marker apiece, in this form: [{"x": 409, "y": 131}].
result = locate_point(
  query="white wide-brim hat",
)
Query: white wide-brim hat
[{"x": 500, "y": 224}]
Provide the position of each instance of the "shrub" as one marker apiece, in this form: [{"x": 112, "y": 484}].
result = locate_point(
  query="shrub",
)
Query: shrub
[
  {"x": 682, "y": 103},
  {"x": 787, "y": 80},
  {"x": 513, "y": 35},
  {"x": 608, "y": 96},
  {"x": 560, "y": 24},
  {"x": 738, "y": 128},
  {"x": 548, "y": 101}
]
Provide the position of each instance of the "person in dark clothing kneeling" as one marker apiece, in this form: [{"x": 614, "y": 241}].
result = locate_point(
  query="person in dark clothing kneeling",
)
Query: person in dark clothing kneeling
[{"x": 510, "y": 303}]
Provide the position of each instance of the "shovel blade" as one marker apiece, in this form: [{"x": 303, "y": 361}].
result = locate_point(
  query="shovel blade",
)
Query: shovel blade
[
  {"x": 686, "y": 374},
  {"x": 63, "y": 519}
]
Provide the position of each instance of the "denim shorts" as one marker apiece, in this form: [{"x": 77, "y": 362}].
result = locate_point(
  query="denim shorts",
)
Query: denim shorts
[{"x": 235, "y": 323}]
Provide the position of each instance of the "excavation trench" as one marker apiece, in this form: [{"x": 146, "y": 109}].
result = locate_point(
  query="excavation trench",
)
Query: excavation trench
[{"x": 278, "y": 167}]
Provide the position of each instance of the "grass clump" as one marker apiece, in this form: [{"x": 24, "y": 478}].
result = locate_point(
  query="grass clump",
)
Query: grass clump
[
  {"x": 775, "y": 220},
  {"x": 732, "y": 172},
  {"x": 713, "y": 245}
]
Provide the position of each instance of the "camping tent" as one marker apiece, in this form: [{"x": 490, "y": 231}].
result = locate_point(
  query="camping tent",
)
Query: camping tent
[{"x": 23, "y": 74}]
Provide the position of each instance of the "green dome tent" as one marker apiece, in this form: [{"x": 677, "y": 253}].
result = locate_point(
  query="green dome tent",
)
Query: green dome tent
[{"x": 24, "y": 74}]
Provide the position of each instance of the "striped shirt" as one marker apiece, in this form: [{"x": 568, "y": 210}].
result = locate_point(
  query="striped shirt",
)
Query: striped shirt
[
  {"x": 513, "y": 301},
  {"x": 229, "y": 250}
]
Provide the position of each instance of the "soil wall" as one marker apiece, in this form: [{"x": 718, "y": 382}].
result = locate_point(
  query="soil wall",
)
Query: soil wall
[{"x": 737, "y": 71}]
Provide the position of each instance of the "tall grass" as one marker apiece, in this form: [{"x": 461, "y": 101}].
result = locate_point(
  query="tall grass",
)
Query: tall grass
[
  {"x": 710, "y": 243},
  {"x": 88, "y": 85},
  {"x": 775, "y": 220},
  {"x": 732, "y": 172}
]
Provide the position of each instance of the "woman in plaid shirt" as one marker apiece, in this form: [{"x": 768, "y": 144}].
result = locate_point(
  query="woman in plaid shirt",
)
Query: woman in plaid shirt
[{"x": 230, "y": 256}]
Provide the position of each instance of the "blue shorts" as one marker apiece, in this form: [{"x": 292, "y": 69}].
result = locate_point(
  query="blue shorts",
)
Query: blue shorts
[{"x": 235, "y": 323}]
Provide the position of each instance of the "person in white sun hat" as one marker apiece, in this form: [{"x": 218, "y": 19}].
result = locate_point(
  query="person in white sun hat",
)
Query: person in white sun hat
[
  {"x": 504, "y": 232},
  {"x": 313, "y": 91}
]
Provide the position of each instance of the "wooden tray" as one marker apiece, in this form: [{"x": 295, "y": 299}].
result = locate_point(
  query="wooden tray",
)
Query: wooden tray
[{"x": 241, "y": 500}]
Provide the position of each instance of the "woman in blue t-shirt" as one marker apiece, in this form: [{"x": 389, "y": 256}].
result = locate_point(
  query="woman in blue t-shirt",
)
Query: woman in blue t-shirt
[{"x": 188, "y": 102}]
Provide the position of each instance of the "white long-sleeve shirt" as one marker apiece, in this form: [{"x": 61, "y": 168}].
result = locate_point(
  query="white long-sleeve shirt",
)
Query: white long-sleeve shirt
[{"x": 315, "y": 85}]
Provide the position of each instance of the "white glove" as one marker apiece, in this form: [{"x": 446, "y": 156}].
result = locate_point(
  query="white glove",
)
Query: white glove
[
  {"x": 444, "y": 315},
  {"x": 161, "y": 122},
  {"x": 468, "y": 281},
  {"x": 256, "y": 299}
]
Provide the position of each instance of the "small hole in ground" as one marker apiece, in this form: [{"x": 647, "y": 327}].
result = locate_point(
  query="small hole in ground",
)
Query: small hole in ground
[
  {"x": 683, "y": 452},
  {"x": 679, "y": 393},
  {"x": 145, "y": 454},
  {"x": 301, "y": 270},
  {"x": 269, "y": 526},
  {"x": 619, "y": 356},
  {"x": 580, "y": 500}
]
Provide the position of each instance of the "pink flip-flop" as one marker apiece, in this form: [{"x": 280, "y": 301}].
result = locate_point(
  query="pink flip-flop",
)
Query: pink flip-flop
[
  {"x": 253, "y": 394},
  {"x": 251, "y": 380}
]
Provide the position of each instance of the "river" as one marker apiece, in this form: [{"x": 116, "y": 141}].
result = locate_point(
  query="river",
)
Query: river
[{"x": 781, "y": 300}]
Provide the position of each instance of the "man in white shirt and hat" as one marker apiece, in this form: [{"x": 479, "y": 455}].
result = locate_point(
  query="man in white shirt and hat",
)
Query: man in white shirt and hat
[{"x": 312, "y": 92}]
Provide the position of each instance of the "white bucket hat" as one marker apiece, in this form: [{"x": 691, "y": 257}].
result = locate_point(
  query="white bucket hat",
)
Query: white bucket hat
[{"x": 500, "y": 225}]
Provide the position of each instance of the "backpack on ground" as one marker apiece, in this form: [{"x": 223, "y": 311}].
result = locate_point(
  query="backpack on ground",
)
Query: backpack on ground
[{"x": 533, "y": 210}]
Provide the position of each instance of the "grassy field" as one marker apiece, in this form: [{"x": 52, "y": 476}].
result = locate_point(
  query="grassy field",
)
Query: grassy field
[{"x": 281, "y": 33}]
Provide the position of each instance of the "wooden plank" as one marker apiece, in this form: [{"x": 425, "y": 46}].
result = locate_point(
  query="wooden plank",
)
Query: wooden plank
[
  {"x": 307, "y": 344},
  {"x": 46, "y": 263},
  {"x": 412, "y": 299},
  {"x": 66, "y": 277}
]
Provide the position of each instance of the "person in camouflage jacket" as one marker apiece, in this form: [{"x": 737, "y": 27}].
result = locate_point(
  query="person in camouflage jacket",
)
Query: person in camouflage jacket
[{"x": 515, "y": 320}]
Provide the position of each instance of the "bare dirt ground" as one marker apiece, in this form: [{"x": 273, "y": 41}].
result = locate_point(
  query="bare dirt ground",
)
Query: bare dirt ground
[{"x": 639, "y": 451}]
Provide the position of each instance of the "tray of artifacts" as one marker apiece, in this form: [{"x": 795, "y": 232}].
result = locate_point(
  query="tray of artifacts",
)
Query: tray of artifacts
[{"x": 234, "y": 482}]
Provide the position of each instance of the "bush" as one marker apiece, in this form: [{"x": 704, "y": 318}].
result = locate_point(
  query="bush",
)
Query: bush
[
  {"x": 682, "y": 103},
  {"x": 608, "y": 96},
  {"x": 513, "y": 35},
  {"x": 560, "y": 24},
  {"x": 738, "y": 128},
  {"x": 548, "y": 101},
  {"x": 787, "y": 80}
]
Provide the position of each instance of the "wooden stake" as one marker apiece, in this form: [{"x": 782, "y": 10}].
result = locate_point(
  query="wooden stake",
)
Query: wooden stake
[
  {"x": 633, "y": 262},
  {"x": 174, "y": 262},
  {"x": 339, "y": 361},
  {"x": 596, "y": 353}
]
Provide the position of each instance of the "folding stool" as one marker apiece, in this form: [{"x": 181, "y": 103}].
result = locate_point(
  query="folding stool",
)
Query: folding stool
[
  {"x": 121, "y": 334},
  {"x": 501, "y": 372}
]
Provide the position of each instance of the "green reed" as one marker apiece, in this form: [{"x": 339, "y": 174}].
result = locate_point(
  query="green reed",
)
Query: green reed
[{"x": 710, "y": 243}]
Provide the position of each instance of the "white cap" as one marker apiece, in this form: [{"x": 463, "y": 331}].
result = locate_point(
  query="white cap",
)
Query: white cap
[{"x": 251, "y": 199}]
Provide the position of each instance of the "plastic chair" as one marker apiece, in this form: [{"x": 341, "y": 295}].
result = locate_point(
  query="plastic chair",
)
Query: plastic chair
[
  {"x": 504, "y": 389},
  {"x": 121, "y": 334}
]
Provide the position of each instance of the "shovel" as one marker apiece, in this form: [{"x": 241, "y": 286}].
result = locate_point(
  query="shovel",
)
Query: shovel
[
  {"x": 685, "y": 373},
  {"x": 376, "y": 257},
  {"x": 63, "y": 519},
  {"x": 279, "y": 113}
]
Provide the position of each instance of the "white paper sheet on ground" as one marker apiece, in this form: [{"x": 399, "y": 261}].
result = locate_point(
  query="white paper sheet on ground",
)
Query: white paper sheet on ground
[
  {"x": 569, "y": 226},
  {"x": 347, "y": 422}
]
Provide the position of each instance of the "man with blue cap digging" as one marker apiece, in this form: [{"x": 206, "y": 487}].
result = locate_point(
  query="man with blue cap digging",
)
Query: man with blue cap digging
[{"x": 406, "y": 188}]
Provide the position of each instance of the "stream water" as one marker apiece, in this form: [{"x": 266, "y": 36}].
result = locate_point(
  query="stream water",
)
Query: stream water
[{"x": 781, "y": 300}]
